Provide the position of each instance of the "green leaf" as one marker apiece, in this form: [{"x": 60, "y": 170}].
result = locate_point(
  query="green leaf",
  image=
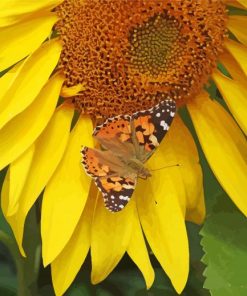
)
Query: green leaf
[{"x": 225, "y": 245}]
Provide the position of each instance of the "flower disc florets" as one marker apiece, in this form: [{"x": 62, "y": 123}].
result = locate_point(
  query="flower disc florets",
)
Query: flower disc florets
[{"x": 130, "y": 54}]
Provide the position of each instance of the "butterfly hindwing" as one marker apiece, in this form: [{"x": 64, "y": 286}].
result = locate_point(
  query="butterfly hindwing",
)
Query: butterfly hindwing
[
  {"x": 104, "y": 167},
  {"x": 116, "y": 191}
]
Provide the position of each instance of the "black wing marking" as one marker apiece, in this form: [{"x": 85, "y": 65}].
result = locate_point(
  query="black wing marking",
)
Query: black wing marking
[
  {"x": 152, "y": 125},
  {"x": 116, "y": 191}
]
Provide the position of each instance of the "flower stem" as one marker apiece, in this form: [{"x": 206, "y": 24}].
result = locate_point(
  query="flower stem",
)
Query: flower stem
[
  {"x": 27, "y": 268},
  {"x": 23, "y": 289},
  {"x": 19, "y": 262}
]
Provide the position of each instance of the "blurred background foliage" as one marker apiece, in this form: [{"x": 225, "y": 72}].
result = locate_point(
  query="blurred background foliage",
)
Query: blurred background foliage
[{"x": 218, "y": 250}]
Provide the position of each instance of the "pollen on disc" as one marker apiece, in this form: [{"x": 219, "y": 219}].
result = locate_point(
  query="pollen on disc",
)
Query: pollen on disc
[{"x": 132, "y": 54}]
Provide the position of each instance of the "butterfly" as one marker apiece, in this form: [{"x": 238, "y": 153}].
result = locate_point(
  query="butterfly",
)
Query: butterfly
[{"x": 127, "y": 142}]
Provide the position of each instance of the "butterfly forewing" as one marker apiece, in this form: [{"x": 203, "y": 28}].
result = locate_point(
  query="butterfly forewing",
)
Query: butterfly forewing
[
  {"x": 115, "y": 135},
  {"x": 152, "y": 125}
]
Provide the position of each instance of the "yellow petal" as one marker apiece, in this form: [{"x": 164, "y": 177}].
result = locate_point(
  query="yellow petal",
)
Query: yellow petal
[
  {"x": 67, "y": 264},
  {"x": 243, "y": 2},
  {"x": 162, "y": 219},
  {"x": 224, "y": 146},
  {"x": 12, "y": 11},
  {"x": 18, "y": 41},
  {"x": 239, "y": 52},
  {"x": 5, "y": 195},
  {"x": 67, "y": 92},
  {"x": 8, "y": 78},
  {"x": 165, "y": 197},
  {"x": 44, "y": 163},
  {"x": 178, "y": 148},
  {"x": 17, "y": 135},
  {"x": 233, "y": 3},
  {"x": 137, "y": 251},
  {"x": 15, "y": 7},
  {"x": 232, "y": 67},
  {"x": 185, "y": 151},
  {"x": 110, "y": 238},
  {"x": 237, "y": 25},
  {"x": 30, "y": 80},
  {"x": 49, "y": 149},
  {"x": 235, "y": 95},
  {"x": 4, "y": 205},
  {"x": 18, "y": 174},
  {"x": 65, "y": 194}
]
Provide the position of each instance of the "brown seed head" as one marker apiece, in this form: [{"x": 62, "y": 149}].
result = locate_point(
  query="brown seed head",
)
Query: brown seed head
[{"x": 130, "y": 54}]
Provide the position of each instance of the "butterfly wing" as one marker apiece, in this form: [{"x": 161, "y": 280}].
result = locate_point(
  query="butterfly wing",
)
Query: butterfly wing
[
  {"x": 115, "y": 135},
  {"x": 151, "y": 126},
  {"x": 99, "y": 163},
  {"x": 116, "y": 191},
  {"x": 124, "y": 137},
  {"x": 105, "y": 168},
  {"x": 118, "y": 126}
]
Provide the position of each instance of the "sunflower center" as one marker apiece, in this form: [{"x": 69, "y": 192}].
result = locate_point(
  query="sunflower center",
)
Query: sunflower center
[
  {"x": 132, "y": 54},
  {"x": 152, "y": 45}
]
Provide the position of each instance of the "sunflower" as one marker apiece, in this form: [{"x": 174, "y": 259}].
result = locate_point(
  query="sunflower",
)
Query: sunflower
[{"x": 73, "y": 63}]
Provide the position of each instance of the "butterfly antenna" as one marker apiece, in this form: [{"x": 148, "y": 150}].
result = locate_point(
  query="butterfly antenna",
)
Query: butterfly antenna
[{"x": 165, "y": 167}]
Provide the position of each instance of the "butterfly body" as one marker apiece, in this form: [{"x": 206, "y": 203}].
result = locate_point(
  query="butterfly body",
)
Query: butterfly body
[
  {"x": 127, "y": 143},
  {"x": 138, "y": 168}
]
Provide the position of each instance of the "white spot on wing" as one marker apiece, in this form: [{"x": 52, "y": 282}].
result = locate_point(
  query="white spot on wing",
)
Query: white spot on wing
[
  {"x": 164, "y": 125},
  {"x": 126, "y": 186},
  {"x": 172, "y": 114},
  {"x": 158, "y": 115},
  {"x": 122, "y": 197}
]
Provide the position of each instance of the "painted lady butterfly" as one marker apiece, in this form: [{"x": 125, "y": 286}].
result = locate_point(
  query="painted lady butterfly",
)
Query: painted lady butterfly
[{"x": 127, "y": 143}]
